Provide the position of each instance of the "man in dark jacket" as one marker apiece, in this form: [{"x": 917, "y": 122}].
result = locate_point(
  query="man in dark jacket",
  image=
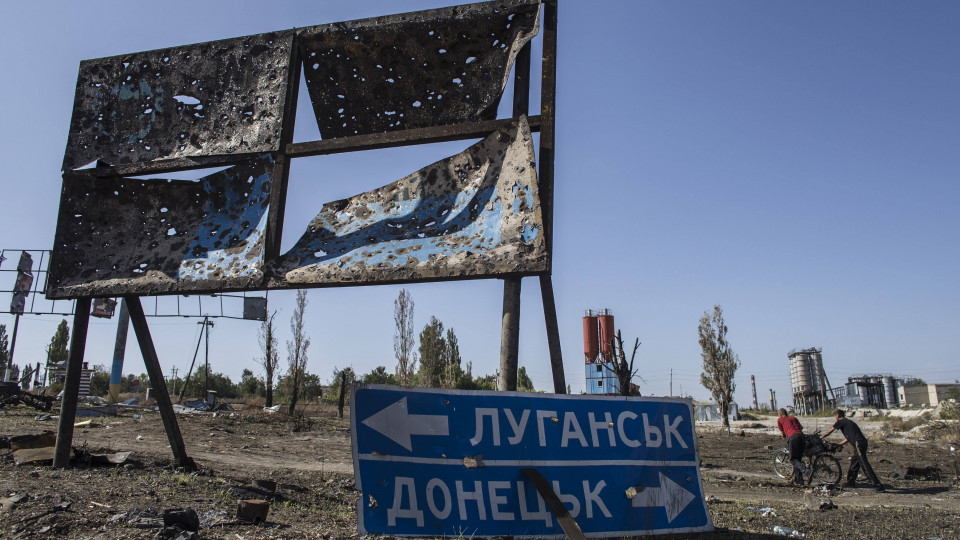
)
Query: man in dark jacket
[
  {"x": 852, "y": 434},
  {"x": 792, "y": 431}
]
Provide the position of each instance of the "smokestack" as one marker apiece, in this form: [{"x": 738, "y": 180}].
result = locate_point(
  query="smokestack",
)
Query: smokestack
[{"x": 753, "y": 384}]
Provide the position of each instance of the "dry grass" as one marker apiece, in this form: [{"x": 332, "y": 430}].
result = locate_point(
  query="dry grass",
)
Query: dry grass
[{"x": 898, "y": 424}]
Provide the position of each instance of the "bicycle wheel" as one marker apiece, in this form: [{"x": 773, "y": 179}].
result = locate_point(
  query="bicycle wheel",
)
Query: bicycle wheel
[
  {"x": 782, "y": 465},
  {"x": 826, "y": 469}
]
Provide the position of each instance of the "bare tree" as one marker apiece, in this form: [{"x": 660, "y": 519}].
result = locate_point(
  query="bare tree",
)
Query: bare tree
[
  {"x": 623, "y": 369},
  {"x": 271, "y": 357},
  {"x": 297, "y": 350},
  {"x": 404, "y": 344},
  {"x": 720, "y": 363}
]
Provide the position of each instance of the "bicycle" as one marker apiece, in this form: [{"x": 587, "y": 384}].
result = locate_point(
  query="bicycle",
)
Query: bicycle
[{"x": 818, "y": 461}]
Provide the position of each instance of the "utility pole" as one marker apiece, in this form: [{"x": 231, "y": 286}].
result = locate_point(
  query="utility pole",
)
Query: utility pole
[
  {"x": 207, "y": 323},
  {"x": 671, "y": 382},
  {"x": 13, "y": 346},
  {"x": 753, "y": 385},
  {"x": 173, "y": 373}
]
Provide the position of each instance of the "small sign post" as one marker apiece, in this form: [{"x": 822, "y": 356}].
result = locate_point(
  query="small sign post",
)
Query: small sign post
[{"x": 433, "y": 462}]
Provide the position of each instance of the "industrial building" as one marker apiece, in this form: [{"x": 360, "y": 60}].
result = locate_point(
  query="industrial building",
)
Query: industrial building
[
  {"x": 598, "y": 353},
  {"x": 876, "y": 391},
  {"x": 920, "y": 394},
  {"x": 809, "y": 381}
]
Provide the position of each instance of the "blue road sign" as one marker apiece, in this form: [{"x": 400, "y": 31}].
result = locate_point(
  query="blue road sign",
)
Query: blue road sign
[{"x": 433, "y": 462}]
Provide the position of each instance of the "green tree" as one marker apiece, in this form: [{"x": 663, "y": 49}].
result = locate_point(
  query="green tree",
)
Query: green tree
[
  {"x": 312, "y": 388},
  {"x": 720, "y": 363},
  {"x": 249, "y": 385},
  {"x": 332, "y": 393},
  {"x": 433, "y": 354},
  {"x": 524, "y": 384},
  {"x": 4, "y": 347},
  {"x": 452, "y": 370},
  {"x": 403, "y": 340},
  {"x": 99, "y": 381},
  {"x": 379, "y": 375},
  {"x": 270, "y": 359},
  {"x": 297, "y": 350},
  {"x": 222, "y": 385},
  {"x": 57, "y": 350}
]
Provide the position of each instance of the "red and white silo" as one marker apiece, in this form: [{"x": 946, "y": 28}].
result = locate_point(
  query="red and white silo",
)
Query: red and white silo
[
  {"x": 591, "y": 338},
  {"x": 607, "y": 334}
]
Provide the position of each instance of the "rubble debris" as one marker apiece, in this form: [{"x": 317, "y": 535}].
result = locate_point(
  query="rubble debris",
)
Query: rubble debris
[
  {"x": 786, "y": 531},
  {"x": 140, "y": 519},
  {"x": 185, "y": 518},
  {"x": 267, "y": 486},
  {"x": 62, "y": 507},
  {"x": 106, "y": 410},
  {"x": 931, "y": 473},
  {"x": 117, "y": 458},
  {"x": 176, "y": 533},
  {"x": 95, "y": 401},
  {"x": 7, "y": 503},
  {"x": 34, "y": 448},
  {"x": 13, "y": 395},
  {"x": 253, "y": 510},
  {"x": 212, "y": 518},
  {"x": 765, "y": 511},
  {"x": 827, "y": 504}
]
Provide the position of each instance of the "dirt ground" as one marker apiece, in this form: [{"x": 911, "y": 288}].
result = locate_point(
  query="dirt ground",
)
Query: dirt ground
[{"x": 315, "y": 498}]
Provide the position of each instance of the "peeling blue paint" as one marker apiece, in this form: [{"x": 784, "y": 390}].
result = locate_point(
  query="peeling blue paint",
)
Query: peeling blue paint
[
  {"x": 530, "y": 233},
  {"x": 473, "y": 213},
  {"x": 230, "y": 237}
]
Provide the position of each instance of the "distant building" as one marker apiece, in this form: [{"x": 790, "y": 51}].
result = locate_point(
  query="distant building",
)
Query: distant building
[
  {"x": 57, "y": 373},
  {"x": 707, "y": 411},
  {"x": 924, "y": 395}
]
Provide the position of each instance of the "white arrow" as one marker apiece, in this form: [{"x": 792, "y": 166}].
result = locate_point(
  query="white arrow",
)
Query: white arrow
[
  {"x": 396, "y": 424},
  {"x": 671, "y": 496}
]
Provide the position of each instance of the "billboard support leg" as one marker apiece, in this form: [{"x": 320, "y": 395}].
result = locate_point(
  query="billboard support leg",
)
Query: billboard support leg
[
  {"x": 71, "y": 386},
  {"x": 509, "y": 335},
  {"x": 119, "y": 348},
  {"x": 158, "y": 383},
  {"x": 553, "y": 334}
]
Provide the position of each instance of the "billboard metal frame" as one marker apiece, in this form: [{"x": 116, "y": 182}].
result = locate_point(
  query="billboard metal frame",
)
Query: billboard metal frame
[{"x": 286, "y": 150}]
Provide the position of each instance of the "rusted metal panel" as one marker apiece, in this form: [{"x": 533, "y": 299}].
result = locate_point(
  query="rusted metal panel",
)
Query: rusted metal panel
[
  {"x": 475, "y": 214},
  {"x": 427, "y": 68},
  {"x": 215, "y": 98},
  {"x": 125, "y": 236}
]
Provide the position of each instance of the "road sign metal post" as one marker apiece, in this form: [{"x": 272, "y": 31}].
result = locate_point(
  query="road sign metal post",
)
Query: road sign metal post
[{"x": 433, "y": 462}]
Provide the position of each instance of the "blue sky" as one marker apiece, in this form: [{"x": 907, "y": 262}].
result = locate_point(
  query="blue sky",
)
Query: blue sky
[{"x": 796, "y": 163}]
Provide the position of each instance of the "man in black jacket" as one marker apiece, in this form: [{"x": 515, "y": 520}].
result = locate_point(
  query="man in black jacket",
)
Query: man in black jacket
[{"x": 852, "y": 434}]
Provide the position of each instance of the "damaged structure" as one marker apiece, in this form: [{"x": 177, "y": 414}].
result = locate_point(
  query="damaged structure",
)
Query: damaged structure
[
  {"x": 811, "y": 388},
  {"x": 229, "y": 106}
]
